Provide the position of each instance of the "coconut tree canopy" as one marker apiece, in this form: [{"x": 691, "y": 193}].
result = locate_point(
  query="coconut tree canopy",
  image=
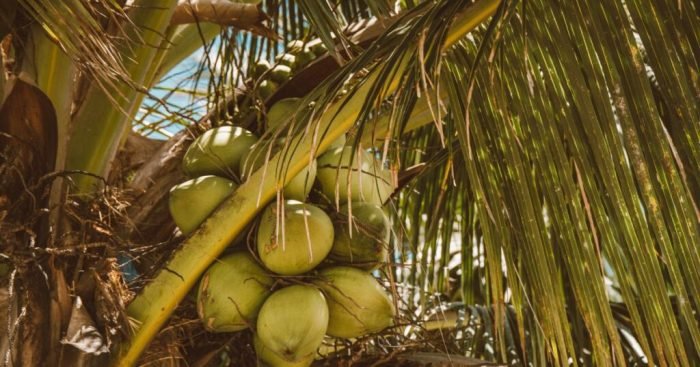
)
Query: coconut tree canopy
[{"x": 545, "y": 155}]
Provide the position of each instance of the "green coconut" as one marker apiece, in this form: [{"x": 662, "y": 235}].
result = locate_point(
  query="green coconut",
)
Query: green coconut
[
  {"x": 287, "y": 59},
  {"x": 192, "y": 201},
  {"x": 319, "y": 49},
  {"x": 281, "y": 73},
  {"x": 293, "y": 321},
  {"x": 231, "y": 293},
  {"x": 364, "y": 240},
  {"x": 281, "y": 111},
  {"x": 302, "y": 240},
  {"x": 271, "y": 359},
  {"x": 259, "y": 68},
  {"x": 358, "y": 305},
  {"x": 218, "y": 152},
  {"x": 295, "y": 46},
  {"x": 345, "y": 176},
  {"x": 297, "y": 189},
  {"x": 267, "y": 88},
  {"x": 305, "y": 57}
]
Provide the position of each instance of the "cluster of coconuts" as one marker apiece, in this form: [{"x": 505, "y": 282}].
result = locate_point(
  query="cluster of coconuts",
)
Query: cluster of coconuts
[
  {"x": 297, "y": 55},
  {"x": 310, "y": 272}
]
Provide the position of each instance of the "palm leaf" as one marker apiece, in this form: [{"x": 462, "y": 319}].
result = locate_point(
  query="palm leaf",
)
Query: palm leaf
[
  {"x": 78, "y": 28},
  {"x": 570, "y": 159}
]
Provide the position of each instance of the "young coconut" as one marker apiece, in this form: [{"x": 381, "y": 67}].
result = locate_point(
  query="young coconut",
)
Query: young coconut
[
  {"x": 345, "y": 176},
  {"x": 280, "y": 73},
  {"x": 259, "y": 68},
  {"x": 218, "y": 152},
  {"x": 364, "y": 240},
  {"x": 301, "y": 51},
  {"x": 295, "y": 241},
  {"x": 358, "y": 305},
  {"x": 281, "y": 111},
  {"x": 231, "y": 293},
  {"x": 266, "y": 88},
  {"x": 297, "y": 189},
  {"x": 271, "y": 359},
  {"x": 287, "y": 59},
  {"x": 319, "y": 49},
  {"x": 304, "y": 57},
  {"x": 295, "y": 46},
  {"x": 192, "y": 201},
  {"x": 293, "y": 321}
]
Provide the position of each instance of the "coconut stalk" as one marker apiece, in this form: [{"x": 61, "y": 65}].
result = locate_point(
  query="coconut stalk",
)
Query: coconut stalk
[
  {"x": 104, "y": 116},
  {"x": 153, "y": 306}
]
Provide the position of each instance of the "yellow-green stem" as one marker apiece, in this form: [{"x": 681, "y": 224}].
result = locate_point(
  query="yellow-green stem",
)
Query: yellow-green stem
[
  {"x": 152, "y": 308},
  {"x": 104, "y": 118}
]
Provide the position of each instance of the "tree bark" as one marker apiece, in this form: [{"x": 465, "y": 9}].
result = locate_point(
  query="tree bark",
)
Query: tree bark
[{"x": 33, "y": 342}]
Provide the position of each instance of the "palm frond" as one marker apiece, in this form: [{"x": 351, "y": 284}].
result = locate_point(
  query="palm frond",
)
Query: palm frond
[
  {"x": 326, "y": 23},
  {"x": 79, "y": 30},
  {"x": 572, "y": 158}
]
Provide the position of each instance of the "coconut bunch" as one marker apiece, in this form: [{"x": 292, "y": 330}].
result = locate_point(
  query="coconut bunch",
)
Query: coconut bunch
[
  {"x": 309, "y": 273},
  {"x": 298, "y": 54}
]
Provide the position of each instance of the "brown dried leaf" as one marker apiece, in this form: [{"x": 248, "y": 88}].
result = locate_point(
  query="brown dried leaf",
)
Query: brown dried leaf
[{"x": 27, "y": 137}]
